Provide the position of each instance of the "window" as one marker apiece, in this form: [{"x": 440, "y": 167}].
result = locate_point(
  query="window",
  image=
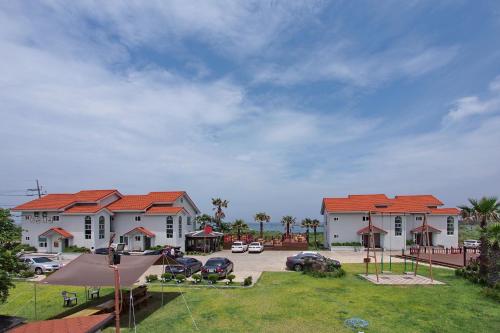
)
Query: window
[
  {"x": 419, "y": 218},
  {"x": 44, "y": 214},
  {"x": 27, "y": 238},
  {"x": 101, "y": 227},
  {"x": 189, "y": 220},
  {"x": 26, "y": 217},
  {"x": 335, "y": 235},
  {"x": 170, "y": 227},
  {"x": 42, "y": 242},
  {"x": 55, "y": 218},
  {"x": 124, "y": 239},
  {"x": 137, "y": 218},
  {"x": 366, "y": 218},
  {"x": 180, "y": 226},
  {"x": 36, "y": 214},
  {"x": 450, "y": 225},
  {"x": 335, "y": 218},
  {"x": 138, "y": 238},
  {"x": 398, "y": 226},
  {"x": 88, "y": 227}
]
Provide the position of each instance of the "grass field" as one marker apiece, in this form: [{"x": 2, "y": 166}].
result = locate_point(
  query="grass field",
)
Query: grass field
[{"x": 284, "y": 302}]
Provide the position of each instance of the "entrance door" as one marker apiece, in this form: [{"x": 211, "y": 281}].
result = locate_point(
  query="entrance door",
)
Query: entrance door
[
  {"x": 418, "y": 239},
  {"x": 376, "y": 237},
  {"x": 147, "y": 242}
]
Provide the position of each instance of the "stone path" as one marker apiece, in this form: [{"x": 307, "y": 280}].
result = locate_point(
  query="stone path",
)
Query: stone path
[{"x": 395, "y": 279}]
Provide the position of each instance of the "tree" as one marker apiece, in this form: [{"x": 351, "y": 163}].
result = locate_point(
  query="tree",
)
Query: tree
[
  {"x": 483, "y": 211},
  {"x": 203, "y": 220},
  {"x": 492, "y": 238},
  {"x": 314, "y": 225},
  {"x": 306, "y": 223},
  {"x": 10, "y": 234},
  {"x": 239, "y": 226},
  {"x": 218, "y": 204},
  {"x": 261, "y": 218},
  {"x": 288, "y": 221}
]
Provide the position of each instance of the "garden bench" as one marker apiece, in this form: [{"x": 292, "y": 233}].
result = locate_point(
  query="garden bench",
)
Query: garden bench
[
  {"x": 93, "y": 291},
  {"x": 69, "y": 298}
]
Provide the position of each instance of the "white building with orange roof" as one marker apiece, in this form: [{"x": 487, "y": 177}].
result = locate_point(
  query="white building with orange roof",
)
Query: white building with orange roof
[
  {"x": 88, "y": 218},
  {"x": 397, "y": 221}
]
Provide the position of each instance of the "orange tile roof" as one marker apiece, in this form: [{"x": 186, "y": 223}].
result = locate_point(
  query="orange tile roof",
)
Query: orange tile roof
[
  {"x": 380, "y": 203},
  {"x": 142, "y": 202},
  {"x": 80, "y": 209},
  {"x": 141, "y": 230},
  {"x": 430, "y": 228},
  {"x": 87, "y": 324},
  {"x": 59, "y": 201},
  {"x": 366, "y": 230},
  {"x": 160, "y": 210},
  {"x": 59, "y": 231}
]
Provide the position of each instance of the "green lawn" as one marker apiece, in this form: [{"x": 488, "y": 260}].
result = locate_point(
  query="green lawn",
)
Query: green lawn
[{"x": 282, "y": 302}]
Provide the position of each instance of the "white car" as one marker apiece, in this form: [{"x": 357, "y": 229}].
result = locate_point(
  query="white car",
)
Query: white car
[
  {"x": 255, "y": 247},
  {"x": 472, "y": 243},
  {"x": 41, "y": 265},
  {"x": 239, "y": 247}
]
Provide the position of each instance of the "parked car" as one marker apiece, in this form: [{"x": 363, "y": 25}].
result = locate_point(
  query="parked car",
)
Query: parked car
[
  {"x": 105, "y": 250},
  {"x": 239, "y": 247},
  {"x": 167, "y": 251},
  {"x": 41, "y": 265},
  {"x": 255, "y": 247},
  {"x": 296, "y": 262},
  {"x": 186, "y": 266},
  {"x": 472, "y": 243},
  {"x": 220, "y": 266}
]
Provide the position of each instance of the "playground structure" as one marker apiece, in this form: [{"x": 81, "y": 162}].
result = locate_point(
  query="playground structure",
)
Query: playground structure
[{"x": 406, "y": 278}]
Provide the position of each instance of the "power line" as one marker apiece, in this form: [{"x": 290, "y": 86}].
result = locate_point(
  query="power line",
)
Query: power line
[{"x": 37, "y": 191}]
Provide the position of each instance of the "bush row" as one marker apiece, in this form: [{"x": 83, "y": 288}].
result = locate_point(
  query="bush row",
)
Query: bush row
[
  {"x": 346, "y": 244},
  {"x": 197, "y": 278}
]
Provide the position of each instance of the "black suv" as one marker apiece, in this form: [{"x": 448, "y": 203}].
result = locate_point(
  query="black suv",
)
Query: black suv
[{"x": 296, "y": 262}]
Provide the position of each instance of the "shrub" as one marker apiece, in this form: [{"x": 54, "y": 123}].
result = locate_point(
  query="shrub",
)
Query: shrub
[
  {"x": 346, "y": 244},
  {"x": 197, "y": 278},
  {"x": 247, "y": 281},
  {"x": 151, "y": 278},
  {"x": 213, "y": 278},
  {"x": 230, "y": 278},
  {"x": 337, "y": 273},
  {"x": 166, "y": 277},
  {"x": 493, "y": 293},
  {"x": 25, "y": 274},
  {"x": 24, "y": 247},
  {"x": 179, "y": 278},
  {"x": 76, "y": 249}
]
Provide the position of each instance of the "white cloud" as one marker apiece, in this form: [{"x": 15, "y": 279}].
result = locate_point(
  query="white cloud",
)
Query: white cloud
[{"x": 473, "y": 105}]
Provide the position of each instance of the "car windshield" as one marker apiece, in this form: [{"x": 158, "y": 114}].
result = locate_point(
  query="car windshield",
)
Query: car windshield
[
  {"x": 237, "y": 243},
  {"x": 215, "y": 262},
  {"x": 255, "y": 244},
  {"x": 41, "y": 260},
  {"x": 183, "y": 260}
]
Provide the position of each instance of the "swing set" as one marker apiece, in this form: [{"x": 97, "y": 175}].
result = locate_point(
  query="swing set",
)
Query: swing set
[{"x": 425, "y": 242}]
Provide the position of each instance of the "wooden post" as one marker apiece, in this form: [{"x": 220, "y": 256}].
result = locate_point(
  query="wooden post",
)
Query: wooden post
[
  {"x": 117, "y": 299},
  {"x": 465, "y": 256},
  {"x": 428, "y": 243}
]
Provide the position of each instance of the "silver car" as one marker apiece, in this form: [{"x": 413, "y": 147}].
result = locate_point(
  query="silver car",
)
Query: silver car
[{"x": 41, "y": 265}]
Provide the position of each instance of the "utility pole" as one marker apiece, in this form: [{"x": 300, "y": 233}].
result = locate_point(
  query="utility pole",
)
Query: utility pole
[{"x": 38, "y": 189}]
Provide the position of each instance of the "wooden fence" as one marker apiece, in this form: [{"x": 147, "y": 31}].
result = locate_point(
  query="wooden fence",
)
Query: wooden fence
[{"x": 442, "y": 250}]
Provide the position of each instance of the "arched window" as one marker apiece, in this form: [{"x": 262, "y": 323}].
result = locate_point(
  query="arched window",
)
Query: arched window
[
  {"x": 88, "y": 227},
  {"x": 450, "y": 225},
  {"x": 101, "y": 227},
  {"x": 398, "y": 226},
  {"x": 180, "y": 226},
  {"x": 170, "y": 227}
]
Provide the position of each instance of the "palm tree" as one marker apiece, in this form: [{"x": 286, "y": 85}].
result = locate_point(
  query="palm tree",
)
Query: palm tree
[
  {"x": 203, "y": 220},
  {"x": 218, "y": 204},
  {"x": 314, "y": 225},
  {"x": 306, "y": 223},
  {"x": 492, "y": 238},
  {"x": 288, "y": 221},
  {"x": 239, "y": 226},
  {"x": 482, "y": 211},
  {"x": 261, "y": 218}
]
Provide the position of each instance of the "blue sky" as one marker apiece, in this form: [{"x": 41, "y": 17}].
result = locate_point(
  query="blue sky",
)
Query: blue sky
[{"x": 271, "y": 105}]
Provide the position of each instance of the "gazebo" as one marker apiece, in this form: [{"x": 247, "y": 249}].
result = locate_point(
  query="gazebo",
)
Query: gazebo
[{"x": 205, "y": 240}]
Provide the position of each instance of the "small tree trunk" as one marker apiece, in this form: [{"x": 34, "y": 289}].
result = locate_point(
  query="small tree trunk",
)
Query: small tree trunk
[
  {"x": 494, "y": 269},
  {"x": 261, "y": 229},
  {"x": 483, "y": 257},
  {"x": 315, "y": 241},
  {"x": 287, "y": 230},
  {"x": 307, "y": 234}
]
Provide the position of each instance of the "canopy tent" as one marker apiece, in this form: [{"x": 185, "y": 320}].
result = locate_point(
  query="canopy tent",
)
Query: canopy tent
[{"x": 94, "y": 270}]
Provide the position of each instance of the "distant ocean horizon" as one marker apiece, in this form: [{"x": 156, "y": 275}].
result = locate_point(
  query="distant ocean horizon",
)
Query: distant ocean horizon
[{"x": 277, "y": 226}]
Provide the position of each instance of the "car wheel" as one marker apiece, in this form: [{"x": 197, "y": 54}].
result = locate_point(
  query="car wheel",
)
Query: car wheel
[
  {"x": 188, "y": 272},
  {"x": 297, "y": 267},
  {"x": 38, "y": 271}
]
